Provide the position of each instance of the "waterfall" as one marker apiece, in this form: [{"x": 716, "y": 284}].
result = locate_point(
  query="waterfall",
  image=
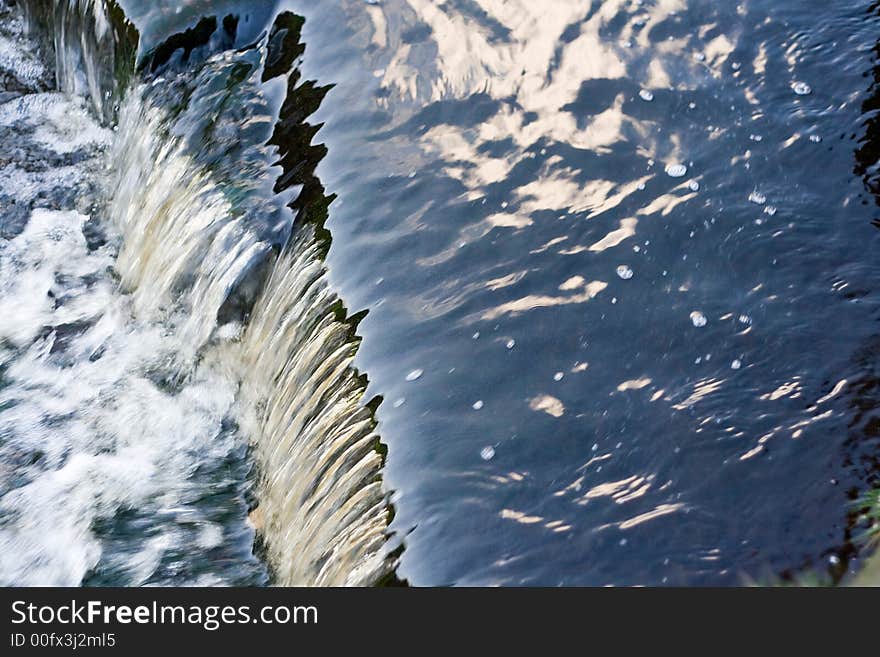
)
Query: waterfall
[{"x": 216, "y": 225}]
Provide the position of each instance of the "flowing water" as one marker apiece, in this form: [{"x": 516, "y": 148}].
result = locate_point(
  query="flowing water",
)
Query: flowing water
[
  {"x": 607, "y": 265},
  {"x": 189, "y": 363}
]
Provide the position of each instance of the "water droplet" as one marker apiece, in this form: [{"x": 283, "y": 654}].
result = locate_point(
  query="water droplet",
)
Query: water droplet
[
  {"x": 736, "y": 66},
  {"x": 487, "y": 453},
  {"x": 694, "y": 186},
  {"x": 624, "y": 272},
  {"x": 801, "y": 88},
  {"x": 757, "y": 197},
  {"x": 676, "y": 170},
  {"x": 834, "y": 560},
  {"x": 558, "y": 376},
  {"x": 511, "y": 344},
  {"x": 756, "y": 138},
  {"x": 641, "y": 187},
  {"x": 415, "y": 375},
  {"x": 698, "y": 319},
  {"x": 700, "y": 57},
  {"x": 478, "y": 404},
  {"x": 646, "y": 95},
  {"x": 736, "y": 364}
]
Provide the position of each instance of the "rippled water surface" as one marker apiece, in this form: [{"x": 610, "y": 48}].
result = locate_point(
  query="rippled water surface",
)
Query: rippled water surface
[
  {"x": 629, "y": 376},
  {"x": 608, "y": 267}
]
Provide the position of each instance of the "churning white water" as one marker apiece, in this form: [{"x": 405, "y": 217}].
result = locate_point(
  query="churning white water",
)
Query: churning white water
[
  {"x": 88, "y": 427},
  {"x": 126, "y": 407}
]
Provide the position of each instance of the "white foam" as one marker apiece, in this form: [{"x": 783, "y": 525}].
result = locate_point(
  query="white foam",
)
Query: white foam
[
  {"x": 62, "y": 124},
  {"x": 21, "y": 63},
  {"x": 109, "y": 436}
]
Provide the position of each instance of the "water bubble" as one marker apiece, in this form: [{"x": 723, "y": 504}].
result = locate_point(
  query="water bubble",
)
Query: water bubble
[
  {"x": 558, "y": 376},
  {"x": 487, "y": 453},
  {"x": 694, "y": 186},
  {"x": 511, "y": 344},
  {"x": 834, "y": 560},
  {"x": 646, "y": 95},
  {"x": 415, "y": 375},
  {"x": 676, "y": 170},
  {"x": 801, "y": 88},
  {"x": 641, "y": 187},
  {"x": 756, "y": 138},
  {"x": 476, "y": 336},
  {"x": 624, "y": 272},
  {"x": 736, "y": 66},
  {"x": 757, "y": 197},
  {"x": 700, "y": 57},
  {"x": 478, "y": 404},
  {"x": 698, "y": 319},
  {"x": 736, "y": 364}
]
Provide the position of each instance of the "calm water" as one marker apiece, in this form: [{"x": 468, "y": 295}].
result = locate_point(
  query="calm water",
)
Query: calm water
[{"x": 616, "y": 264}]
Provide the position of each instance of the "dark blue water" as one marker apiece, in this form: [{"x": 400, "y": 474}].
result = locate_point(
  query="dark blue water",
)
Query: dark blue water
[
  {"x": 493, "y": 160},
  {"x": 612, "y": 269}
]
